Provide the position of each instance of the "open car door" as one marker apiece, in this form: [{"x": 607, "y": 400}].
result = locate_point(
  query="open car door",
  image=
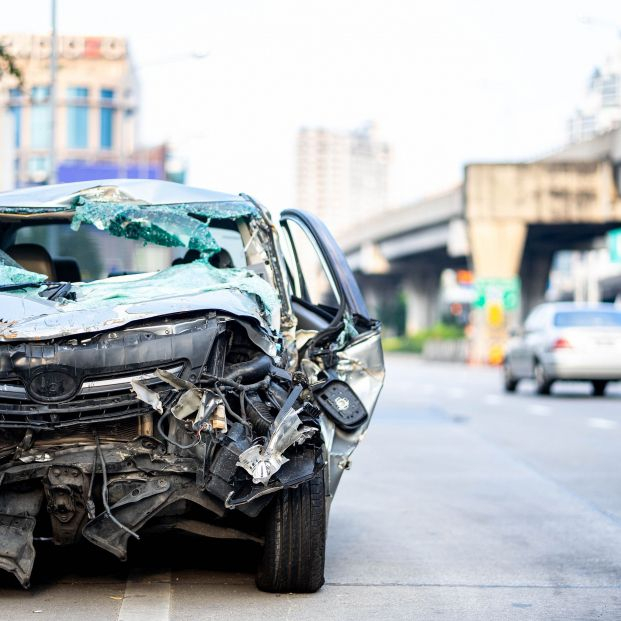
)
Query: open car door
[{"x": 339, "y": 345}]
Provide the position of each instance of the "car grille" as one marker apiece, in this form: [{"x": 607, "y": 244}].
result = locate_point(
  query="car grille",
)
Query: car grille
[
  {"x": 124, "y": 430},
  {"x": 99, "y": 400}
]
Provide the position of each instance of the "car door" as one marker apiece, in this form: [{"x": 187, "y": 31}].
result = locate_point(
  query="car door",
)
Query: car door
[{"x": 339, "y": 344}]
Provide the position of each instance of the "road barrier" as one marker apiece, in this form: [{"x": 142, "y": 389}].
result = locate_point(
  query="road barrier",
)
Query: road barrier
[{"x": 454, "y": 350}]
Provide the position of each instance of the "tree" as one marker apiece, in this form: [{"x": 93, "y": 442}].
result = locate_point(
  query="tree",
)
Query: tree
[{"x": 8, "y": 65}]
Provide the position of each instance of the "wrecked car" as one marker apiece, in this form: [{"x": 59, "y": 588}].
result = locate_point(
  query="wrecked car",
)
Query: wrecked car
[{"x": 171, "y": 359}]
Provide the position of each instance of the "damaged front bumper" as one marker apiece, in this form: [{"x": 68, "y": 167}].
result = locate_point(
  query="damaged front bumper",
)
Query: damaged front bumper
[{"x": 170, "y": 423}]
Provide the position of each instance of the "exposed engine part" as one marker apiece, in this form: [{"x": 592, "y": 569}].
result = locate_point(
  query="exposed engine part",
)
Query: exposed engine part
[
  {"x": 221, "y": 432},
  {"x": 217, "y": 420},
  {"x": 230, "y": 483},
  {"x": 184, "y": 397},
  {"x": 255, "y": 369},
  {"x": 209, "y": 409},
  {"x": 66, "y": 491},
  {"x": 262, "y": 461},
  {"x": 104, "y": 492},
  {"x": 144, "y": 500}
]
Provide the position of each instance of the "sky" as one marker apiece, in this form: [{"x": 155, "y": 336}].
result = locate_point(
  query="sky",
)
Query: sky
[{"x": 448, "y": 82}]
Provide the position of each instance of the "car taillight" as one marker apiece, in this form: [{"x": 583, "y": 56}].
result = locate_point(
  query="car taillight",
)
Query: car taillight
[{"x": 561, "y": 344}]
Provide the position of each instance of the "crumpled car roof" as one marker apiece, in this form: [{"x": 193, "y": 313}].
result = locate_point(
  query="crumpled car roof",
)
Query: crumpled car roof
[{"x": 147, "y": 191}]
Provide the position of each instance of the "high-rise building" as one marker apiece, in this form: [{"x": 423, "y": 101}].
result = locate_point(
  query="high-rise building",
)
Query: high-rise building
[
  {"x": 342, "y": 176},
  {"x": 96, "y": 116},
  {"x": 601, "y": 108}
]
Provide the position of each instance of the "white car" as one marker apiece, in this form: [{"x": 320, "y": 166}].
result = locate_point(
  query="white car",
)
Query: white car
[{"x": 566, "y": 341}]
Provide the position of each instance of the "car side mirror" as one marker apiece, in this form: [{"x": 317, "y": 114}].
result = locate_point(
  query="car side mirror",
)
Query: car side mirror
[{"x": 516, "y": 331}]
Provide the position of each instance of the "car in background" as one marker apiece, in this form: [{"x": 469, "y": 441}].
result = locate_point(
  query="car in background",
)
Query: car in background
[
  {"x": 566, "y": 341},
  {"x": 173, "y": 359}
]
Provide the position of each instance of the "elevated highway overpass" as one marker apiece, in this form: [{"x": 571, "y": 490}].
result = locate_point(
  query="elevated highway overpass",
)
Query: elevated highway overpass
[
  {"x": 406, "y": 249},
  {"x": 504, "y": 221}
]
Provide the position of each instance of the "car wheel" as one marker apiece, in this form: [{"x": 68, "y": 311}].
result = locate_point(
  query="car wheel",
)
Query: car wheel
[
  {"x": 295, "y": 540},
  {"x": 599, "y": 388},
  {"x": 509, "y": 382},
  {"x": 543, "y": 383}
]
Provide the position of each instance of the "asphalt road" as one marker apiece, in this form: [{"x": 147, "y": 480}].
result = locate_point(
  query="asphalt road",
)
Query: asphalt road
[{"x": 462, "y": 503}]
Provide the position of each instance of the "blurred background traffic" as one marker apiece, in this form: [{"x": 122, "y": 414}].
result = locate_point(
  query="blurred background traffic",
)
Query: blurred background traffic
[{"x": 467, "y": 157}]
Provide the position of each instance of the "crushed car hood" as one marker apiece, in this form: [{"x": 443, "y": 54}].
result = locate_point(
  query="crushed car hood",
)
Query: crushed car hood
[{"x": 114, "y": 302}]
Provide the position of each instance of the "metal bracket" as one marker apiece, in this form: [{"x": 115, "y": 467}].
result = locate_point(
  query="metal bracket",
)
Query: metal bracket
[
  {"x": 143, "y": 489},
  {"x": 65, "y": 490}
]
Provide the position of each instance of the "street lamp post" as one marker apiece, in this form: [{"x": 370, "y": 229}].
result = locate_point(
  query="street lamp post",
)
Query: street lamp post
[
  {"x": 52, "y": 177},
  {"x": 53, "y": 98}
]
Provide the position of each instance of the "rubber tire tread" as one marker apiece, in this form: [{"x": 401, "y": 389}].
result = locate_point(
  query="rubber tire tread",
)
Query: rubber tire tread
[
  {"x": 508, "y": 382},
  {"x": 295, "y": 540},
  {"x": 545, "y": 387}
]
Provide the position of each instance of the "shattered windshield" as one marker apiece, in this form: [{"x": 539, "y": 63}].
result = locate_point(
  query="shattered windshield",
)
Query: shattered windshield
[
  {"x": 182, "y": 225},
  {"x": 91, "y": 254},
  {"x": 117, "y": 254},
  {"x": 12, "y": 273}
]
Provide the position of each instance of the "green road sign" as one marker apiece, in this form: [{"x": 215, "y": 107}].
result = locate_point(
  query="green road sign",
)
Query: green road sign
[
  {"x": 502, "y": 291},
  {"x": 614, "y": 245}
]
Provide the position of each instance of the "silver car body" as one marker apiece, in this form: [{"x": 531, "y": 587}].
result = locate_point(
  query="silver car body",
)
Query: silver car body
[
  {"x": 131, "y": 398},
  {"x": 570, "y": 341}
]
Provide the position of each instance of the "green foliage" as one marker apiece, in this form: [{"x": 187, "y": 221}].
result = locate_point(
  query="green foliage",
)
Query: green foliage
[
  {"x": 392, "y": 313},
  {"x": 8, "y": 66},
  {"x": 414, "y": 343}
]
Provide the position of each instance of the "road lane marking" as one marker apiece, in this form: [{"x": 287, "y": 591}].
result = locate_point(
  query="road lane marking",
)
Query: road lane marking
[
  {"x": 602, "y": 423},
  {"x": 539, "y": 410},
  {"x": 147, "y": 598},
  {"x": 492, "y": 400}
]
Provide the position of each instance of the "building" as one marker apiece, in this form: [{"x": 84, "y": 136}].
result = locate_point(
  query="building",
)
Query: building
[
  {"x": 96, "y": 137},
  {"x": 601, "y": 108},
  {"x": 342, "y": 176},
  {"x": 97, "y": 103}
]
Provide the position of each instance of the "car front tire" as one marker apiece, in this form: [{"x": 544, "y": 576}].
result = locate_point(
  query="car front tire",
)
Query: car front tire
[
  {"x": 295, "y": 540},
  {"x": 509, "y": 382}
]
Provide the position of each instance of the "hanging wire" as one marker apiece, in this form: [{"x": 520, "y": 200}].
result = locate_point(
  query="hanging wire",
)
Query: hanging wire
[
  {"x": 160, "y": 428},
  {"x": 104, "y": 491}
]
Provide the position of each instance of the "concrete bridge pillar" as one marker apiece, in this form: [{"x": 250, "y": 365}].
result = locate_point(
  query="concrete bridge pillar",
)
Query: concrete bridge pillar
[
  {"x": 422, "y": 289},
  {"x": 497, "y": 247},
  {"x": 419, "y": 287}
]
